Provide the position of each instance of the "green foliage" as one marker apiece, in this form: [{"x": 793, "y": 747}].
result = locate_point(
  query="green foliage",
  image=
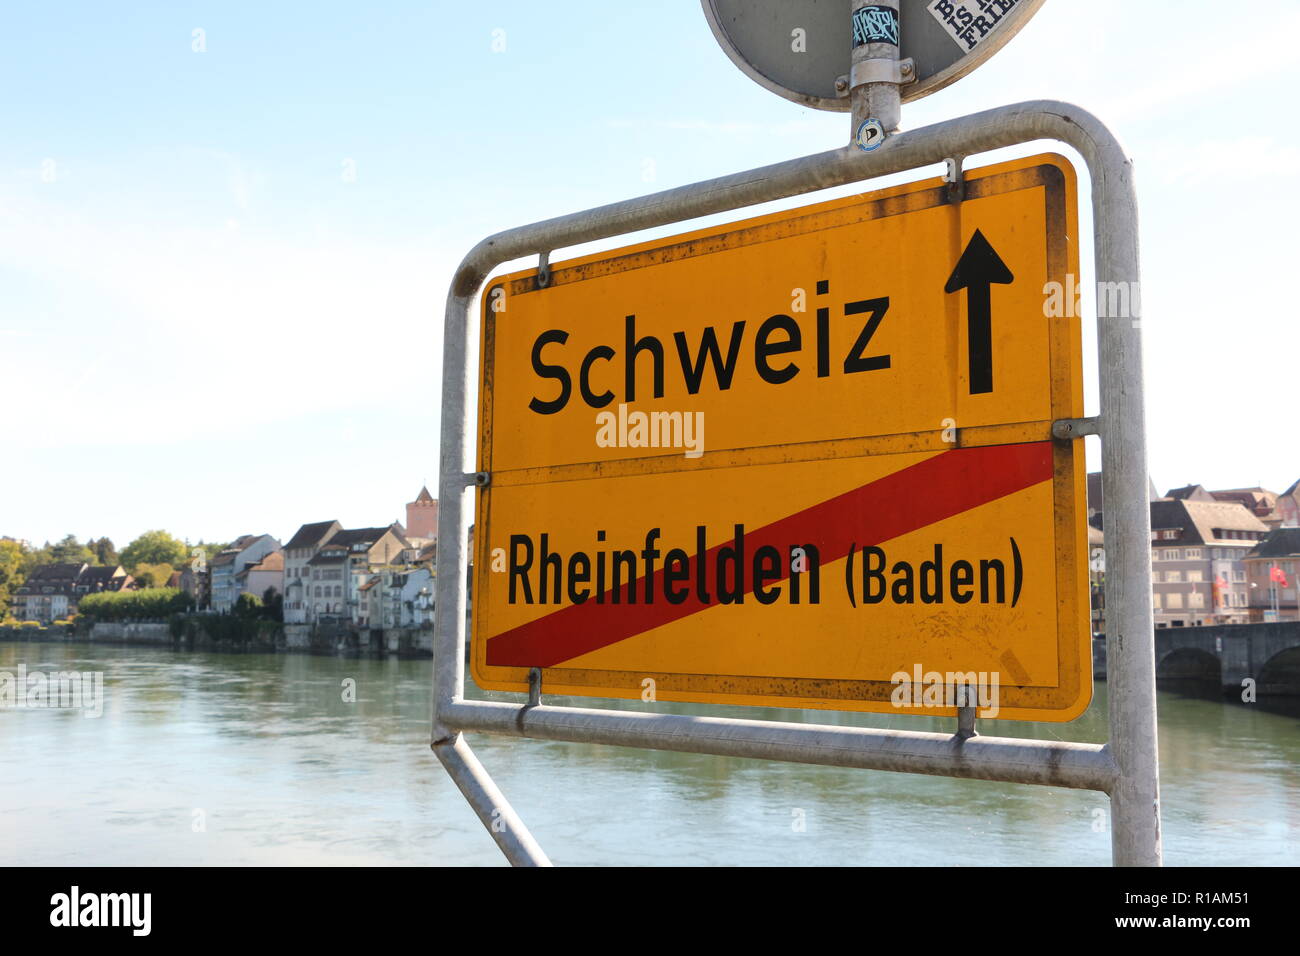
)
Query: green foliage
[
  {"x": 154, "y": 547},
  {"x": 67, "y": 551},
  {"x": 223, "y": 629},
  {"x": 154, "y": 604},
  {"x": 71, "y": 551},
  {"x": 212, "y": 550},
  {"x": 12, "y": 559},
  {"x": 273, "y": 603},
  {"x": 248, "y": 607},
  {"x": 153, "y": 575},
  {"x": 105, "y": 553},
  {"x": 34, "y": 557}
]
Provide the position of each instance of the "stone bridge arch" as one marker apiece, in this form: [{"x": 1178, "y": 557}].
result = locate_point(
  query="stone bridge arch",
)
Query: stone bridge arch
[
  {"x": 1278, "y": 680},
  {"x": 1267, "y": 654},
  {"x": 1191, "y": 670}
]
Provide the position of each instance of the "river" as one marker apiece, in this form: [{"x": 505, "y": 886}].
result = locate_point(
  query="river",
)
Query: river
[{"x": 253, "y": 759}]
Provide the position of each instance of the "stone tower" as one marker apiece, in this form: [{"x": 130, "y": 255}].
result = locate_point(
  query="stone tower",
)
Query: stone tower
[{"x": 422, "y": 516}]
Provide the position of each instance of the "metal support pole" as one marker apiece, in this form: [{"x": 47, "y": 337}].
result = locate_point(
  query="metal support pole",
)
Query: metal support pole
[
  {"x": 874, "y": 74},
  {"x": 1126, "y": 768},
  {"x": 489, "y": 803},
  {"x": 1052, "y": 763},
  {"x": 1130, "y": 637}
]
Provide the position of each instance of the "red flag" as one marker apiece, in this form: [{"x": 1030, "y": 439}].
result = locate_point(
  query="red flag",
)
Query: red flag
[{"x": 1277, "y": 575}]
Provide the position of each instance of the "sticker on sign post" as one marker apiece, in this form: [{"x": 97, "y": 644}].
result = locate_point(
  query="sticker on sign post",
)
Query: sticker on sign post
[
  {"x": 970, "y": 22},
  {"x": 943, "y": 40},
  {"x": 870, "y": 135},
  {"x": 875, "y": 24}
]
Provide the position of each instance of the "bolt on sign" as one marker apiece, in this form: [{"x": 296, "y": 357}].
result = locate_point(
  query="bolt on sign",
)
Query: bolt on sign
[{"x": 801, "y": 460}]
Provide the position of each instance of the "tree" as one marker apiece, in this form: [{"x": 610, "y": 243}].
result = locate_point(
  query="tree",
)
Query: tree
[
  {"x": 71, "y": 551},
  {"x": 35, "y": 557},
  {"x": 105, "y": 553},
  {"x": 153, "y": 605},
  {"x": 212, "y": 549},
  {"x": 248, "y": 606},
  {"x": 273, "y": 602},
  {"x": 12, "y": 557},
  {"x": 154, "y": 547},
  {"x": 202, "y": 553},
  {"x": 153, "y": 575}
]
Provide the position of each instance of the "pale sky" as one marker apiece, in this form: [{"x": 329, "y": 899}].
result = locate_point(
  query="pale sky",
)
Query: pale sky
[{"x": 222, "y": 272}]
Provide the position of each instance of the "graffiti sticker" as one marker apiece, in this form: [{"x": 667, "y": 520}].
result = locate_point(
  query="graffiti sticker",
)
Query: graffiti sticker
[{"x": 875, "y": 24}]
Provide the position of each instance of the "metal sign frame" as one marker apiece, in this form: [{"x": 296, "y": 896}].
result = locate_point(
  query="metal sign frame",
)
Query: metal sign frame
[
  {"x": 1125, "y": 768},
  {"x": 562, "y": 487}
]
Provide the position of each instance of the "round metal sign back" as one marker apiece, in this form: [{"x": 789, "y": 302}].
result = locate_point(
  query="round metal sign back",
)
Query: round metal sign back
[{"x": 801, "y": 49}]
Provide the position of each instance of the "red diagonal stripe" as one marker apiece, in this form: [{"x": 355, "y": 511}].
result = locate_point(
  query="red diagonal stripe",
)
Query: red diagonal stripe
[{"x": 904, "y": 501}]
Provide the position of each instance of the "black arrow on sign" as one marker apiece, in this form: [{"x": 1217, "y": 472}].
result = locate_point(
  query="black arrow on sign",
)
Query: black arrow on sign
[{"x": 977, "y": 269}]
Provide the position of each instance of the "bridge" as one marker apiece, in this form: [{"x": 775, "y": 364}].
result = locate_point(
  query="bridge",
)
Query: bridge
[{"x": 1223, "y": 656}]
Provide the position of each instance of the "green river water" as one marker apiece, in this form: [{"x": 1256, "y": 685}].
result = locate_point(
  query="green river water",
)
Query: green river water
[{"x": 239, "y": 759}]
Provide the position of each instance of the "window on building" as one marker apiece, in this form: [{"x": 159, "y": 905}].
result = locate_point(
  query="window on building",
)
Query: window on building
[
  {"x": 1171, "y": 554},
  {"x": 1174, "y": 600},
  {"x": 1196, "y": 599},
  {"x": 1239, "y": 577},
  {"x": 1193, "y": 554},
  {"x": 1155, "y": 577},
  {"x": 1155, "y": 600},
  {"x": 1173, "y": 576},
  {"x": 1195, "y": 576}
]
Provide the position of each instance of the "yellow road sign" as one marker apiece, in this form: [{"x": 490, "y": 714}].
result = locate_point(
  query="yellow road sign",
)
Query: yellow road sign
[{"x": 801, "y": 460}]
